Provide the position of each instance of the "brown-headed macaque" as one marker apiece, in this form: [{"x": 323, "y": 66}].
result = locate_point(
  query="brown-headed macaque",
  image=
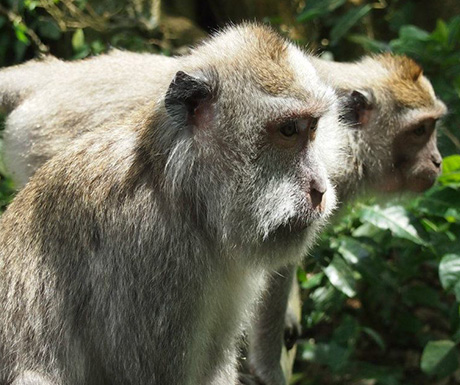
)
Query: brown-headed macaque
[
  {"x": 135, "y": 255},
  {"x": 390, "y": 111},
  {"x": 389, "y": 140}
]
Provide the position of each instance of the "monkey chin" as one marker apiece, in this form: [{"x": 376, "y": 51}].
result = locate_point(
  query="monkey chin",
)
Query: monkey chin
[
  {"x": 421, "y": 183},
  {"x": 290, "y": 242},
  {"x": 405, "y": 181}
]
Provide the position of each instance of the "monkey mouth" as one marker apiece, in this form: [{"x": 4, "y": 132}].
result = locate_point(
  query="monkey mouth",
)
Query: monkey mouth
[{"x": 300, "y": 223}]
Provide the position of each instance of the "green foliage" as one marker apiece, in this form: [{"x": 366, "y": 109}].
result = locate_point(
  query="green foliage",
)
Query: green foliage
[
  {"x": 388, "y": 283},
  {"x": 382, "y": 293}
]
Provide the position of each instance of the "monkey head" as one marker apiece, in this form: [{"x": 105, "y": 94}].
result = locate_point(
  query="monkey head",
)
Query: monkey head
[
  {"x": 394, "y": 115},
  {"x": 246, "y": 143}
]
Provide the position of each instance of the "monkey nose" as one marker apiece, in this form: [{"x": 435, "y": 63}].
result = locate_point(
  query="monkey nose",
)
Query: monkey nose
[
  {"x": 317, "y": 190},
  {"x": 437, "y": 161}
]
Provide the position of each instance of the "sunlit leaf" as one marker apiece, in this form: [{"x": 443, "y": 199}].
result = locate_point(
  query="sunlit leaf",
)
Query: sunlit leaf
[
  {"x": 440, "y": 358},
  {"x": 78, "y": 40},
  {"x": 341, "y": 276},
  {"x": 312, "y": 281},
  {"x": 352, "y": 250},
  {"x": 21, "y": 32},
  {"x": 449, "y": 271},
  {"x": 394, "y": 218}
]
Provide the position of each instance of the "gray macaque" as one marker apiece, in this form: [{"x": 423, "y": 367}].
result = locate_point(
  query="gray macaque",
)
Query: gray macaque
[
  {"x": 136, "y": 254},
  {"x": 388, "y": 144}
]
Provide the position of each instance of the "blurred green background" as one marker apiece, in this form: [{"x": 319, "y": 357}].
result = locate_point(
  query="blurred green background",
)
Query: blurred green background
[{"x": 382, "y": 291}]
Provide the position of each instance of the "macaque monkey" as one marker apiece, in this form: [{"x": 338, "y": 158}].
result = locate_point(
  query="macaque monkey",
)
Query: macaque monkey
[
  {"x": 136, "y": 254},
  {"x": 390, "y": 111},
  {"x": 388, "y": 142}
]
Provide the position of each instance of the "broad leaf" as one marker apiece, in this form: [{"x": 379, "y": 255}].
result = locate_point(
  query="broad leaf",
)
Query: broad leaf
[
  {"x": 352, "y": 250},
  {"x": 440, "y": 358},
  {"x": 315, "y": 8},
  {"x": 341, "y": 276},
  {"x": 395, "y": 218},
  {"x": 347, "y": 21},
  {"x": 449, "y": 271}
]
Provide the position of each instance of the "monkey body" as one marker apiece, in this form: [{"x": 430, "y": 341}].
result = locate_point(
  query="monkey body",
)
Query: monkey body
[
  {"x": 114, "y": 85},
  {"x": 383, "y": 153},
  {"x": 384, "y": 98},
  {"x": 136, "y": 255},
  {"x": 116, "y": 310}
]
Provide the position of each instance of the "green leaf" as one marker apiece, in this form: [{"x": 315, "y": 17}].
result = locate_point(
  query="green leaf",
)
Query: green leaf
[
  {"x": 412, "y": 40},
  {"x": 441, "y": 33},
  {"x": 414, "y": 33},
  {"x": 78, "y": 40},
  {"x": 420, "y": 294},
  {"x": 352, "y": 250},
  {"x": 347, "y": 333},
  {"x": 451, "y": 163},
  {"x": 341, "y": 276},
  {"x": 376, "y": 337},
  {"x": 31, "y": 4},
  {"x": 333, "y": 355},
  {"x": 368, "y": 44},
  {"x": 312, "y": 281},
  {"x": 440, "y": 358},
  {"x": 449, "y": 271},
  {"x": 21, "y": 32},
  {"x": 49, "y": 29},
  {"x": 367, "y": 230},
  {"x": 442, "y": 201},
  {"x": 316, "y": 8},
  {"x": 347, "y": 21},
  {"x": 394, "y": 218}
]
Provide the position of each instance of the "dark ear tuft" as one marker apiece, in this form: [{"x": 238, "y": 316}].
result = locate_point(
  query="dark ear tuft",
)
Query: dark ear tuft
[
  {"x": 356, "y": 107},
  {"x": 185, "y": 94}
]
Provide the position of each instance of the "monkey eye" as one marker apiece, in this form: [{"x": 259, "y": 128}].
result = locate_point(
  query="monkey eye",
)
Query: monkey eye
[
  {"x": 290, "y": 131},
  {"x": 422, "y": 129},
  {"x": 289, "y": 128},
  {"x": 419, "y": 131}
]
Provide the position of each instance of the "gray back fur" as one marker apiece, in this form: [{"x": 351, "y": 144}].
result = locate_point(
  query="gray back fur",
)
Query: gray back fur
[{"x": 136, "y": 254}]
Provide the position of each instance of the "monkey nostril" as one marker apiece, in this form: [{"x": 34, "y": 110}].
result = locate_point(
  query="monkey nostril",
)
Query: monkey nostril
[
  {"x": 318, "y": 188},
  {"x": 316, "y": 197},
  {"x": 437, "y": 162}
]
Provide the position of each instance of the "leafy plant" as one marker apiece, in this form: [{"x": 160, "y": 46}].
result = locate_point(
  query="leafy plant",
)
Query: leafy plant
[{"x": 386, "y": 289}]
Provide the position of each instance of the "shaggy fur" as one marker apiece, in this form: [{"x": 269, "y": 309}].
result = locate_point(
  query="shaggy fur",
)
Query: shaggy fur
[
  {"x": 379, "y": 152},
  {"x": 383, "y": 154},
  {"x": 136, "y": 254}
]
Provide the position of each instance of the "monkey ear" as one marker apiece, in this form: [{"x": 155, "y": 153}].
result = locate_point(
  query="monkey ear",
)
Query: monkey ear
[
  {"x": 356, "y": 107},
  {"x": 187, "y": 99}
]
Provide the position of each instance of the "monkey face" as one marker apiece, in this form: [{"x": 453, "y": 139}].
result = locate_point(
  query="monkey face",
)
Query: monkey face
[
  {"x": 255, "y": 154},
  {"x": 400, "y": 142},
  {"x": 416, "y": 156}
]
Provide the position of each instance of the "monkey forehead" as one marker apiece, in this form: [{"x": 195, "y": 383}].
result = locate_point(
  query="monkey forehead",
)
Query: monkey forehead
[
  {"x": 254, "y": 54},
  {"x": 307, "y": 83},
  {"x": 415, "y": 116}
]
